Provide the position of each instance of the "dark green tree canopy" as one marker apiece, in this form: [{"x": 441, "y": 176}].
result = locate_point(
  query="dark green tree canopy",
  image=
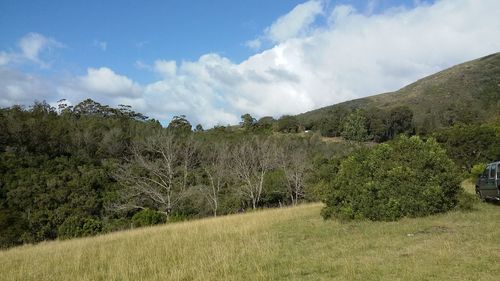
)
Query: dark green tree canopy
[
  {"x": 406, "y": 177},
  {"x": 288, "y": 124},
  {"x": 247, "y": 121},
  {"x": 354, "y": 127},
  {"x": 180, "y": 124}
]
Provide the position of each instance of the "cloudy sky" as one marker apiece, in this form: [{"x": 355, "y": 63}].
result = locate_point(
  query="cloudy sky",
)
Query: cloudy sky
[{"x": 216, "y": 60}]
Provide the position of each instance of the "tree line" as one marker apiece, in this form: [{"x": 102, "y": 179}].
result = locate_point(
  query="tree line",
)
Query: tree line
[
  {"x": 171, "y": 165},
  {"x": 90, "y": 168}
]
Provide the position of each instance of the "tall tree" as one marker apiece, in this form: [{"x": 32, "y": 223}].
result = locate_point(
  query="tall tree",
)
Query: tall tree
[
  {"x": 251, "y": 161},
  {"x": 154, "y": 176},
  {"x": 400, "y": 122},
  {"x": 288, "y": 124},
  {"x": 293, "y": 160},
  {"x": 180, "y": 124},
  {"x": 215, "y": 163},
  {"x": 354, "y": 127},
  {"x": 247, "y": 121}
]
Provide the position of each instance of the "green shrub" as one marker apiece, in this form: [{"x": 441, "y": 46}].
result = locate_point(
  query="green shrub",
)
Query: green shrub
[
  {"x": 476, "y": 171},
  {"x": 75, "y": 226},
  {"x": 406, "y": 177},
  {"x": 176, "y": 218},
  {"x": 148, "y": 217},
  {"x": 466, "y": 201}
]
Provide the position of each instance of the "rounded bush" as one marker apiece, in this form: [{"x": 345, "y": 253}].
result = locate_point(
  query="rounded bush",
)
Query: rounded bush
[
  {"x": 75, "y": 226},
  {"x": 148, "y": 217},
  {"x": 406, "y": 177}
]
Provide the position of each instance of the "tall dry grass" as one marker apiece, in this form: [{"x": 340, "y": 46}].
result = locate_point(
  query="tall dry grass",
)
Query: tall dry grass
[{"x": 281, "y": 244}]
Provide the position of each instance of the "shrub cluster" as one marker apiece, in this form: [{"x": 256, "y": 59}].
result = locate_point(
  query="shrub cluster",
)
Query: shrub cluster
[
  {"x": 75, "y": 226},
  {"x": 406, "y": 177},
  {"x": 148, "y": 217}
]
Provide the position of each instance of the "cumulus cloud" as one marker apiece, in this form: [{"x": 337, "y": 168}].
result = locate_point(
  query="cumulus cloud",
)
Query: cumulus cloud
[
  {"x": 355, "y": 54},
  {"x": 165, "y": 68},
  {"x": 23, "y": 89},
  {"x": 351, "y": 55},
  {"x": 102, "y": 84},
  {"x": 104, "y": 80},
  {"x": 31, "y": 46},
  {"x": 295, "y": 23},
  {"x": 33, "y": 43}
]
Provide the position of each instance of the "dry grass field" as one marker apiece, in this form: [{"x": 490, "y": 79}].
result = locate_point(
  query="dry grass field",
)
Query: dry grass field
[{"x": 279, "y": 244}]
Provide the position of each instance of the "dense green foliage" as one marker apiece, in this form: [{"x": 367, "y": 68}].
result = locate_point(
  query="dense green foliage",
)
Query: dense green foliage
[
  {"x": 406, "y": 177},
  {"x": 54, "y": 168},
  {"x": 72, "y": 172},
  {"x": 471, "y": 144},
  {"x": 354, "y": 127},
  {"x": 148, "y": 217}
]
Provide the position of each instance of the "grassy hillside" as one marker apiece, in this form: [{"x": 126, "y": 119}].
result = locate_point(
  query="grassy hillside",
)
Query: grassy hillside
[
  {"x": 281, "y": 244},
  {"x": 468, "y": 92}
]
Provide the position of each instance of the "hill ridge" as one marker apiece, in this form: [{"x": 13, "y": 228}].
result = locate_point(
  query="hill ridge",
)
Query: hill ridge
[{"x": 460, "y": 94}]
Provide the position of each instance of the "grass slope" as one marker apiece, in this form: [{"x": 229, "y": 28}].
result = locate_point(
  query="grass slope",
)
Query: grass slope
[
  {"x": 281, "y": 244},
  {"x": 473, "y": 86}
]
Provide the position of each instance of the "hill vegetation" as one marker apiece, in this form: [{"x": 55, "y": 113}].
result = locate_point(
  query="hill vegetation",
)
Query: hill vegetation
[{"x": 468, "y": 93}]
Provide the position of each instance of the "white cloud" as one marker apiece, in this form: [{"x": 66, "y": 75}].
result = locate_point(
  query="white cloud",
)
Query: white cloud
[
  {"x": 4, "y": 58},
  {"x": 106, "y": 82},
  {"x": 295, "y": 23},
  {"x": 370, "y": 6},
  {"x": 20, "y": 88},
  {"x": 354, "y": 54},
  {"x": 254, "y": 44},
  {"x": 165, "y": 68},
  {"x": 31, "y": 46}
]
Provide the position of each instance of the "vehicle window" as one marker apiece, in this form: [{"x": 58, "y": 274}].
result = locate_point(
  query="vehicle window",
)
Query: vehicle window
[
  {"x": 493, "y": 171},
  {"x": 498, "y": 171},
  {"x": 486, "y": 172}
]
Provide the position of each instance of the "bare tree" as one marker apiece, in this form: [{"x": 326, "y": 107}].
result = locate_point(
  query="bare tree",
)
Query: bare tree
[
  {"x": 293, "y": 160},
  {"x": 215, "y": 164},
  {"x": 188, "y": 150},
  {"x": 154, "y": 175},
  {"x": 251, "y": 161}
]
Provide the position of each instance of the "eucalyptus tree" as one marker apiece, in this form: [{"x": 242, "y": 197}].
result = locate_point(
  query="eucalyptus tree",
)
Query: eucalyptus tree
[
  {"x": 251, "y": 160},
  {"x": 155, "y": 175},
  {"x": 215, "y": 162},
  {"x": 293, "y": 160}
]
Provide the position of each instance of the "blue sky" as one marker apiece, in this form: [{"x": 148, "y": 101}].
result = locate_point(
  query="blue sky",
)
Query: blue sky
[
  {"x": 215, "y": 60},
  {"x": 118, "y": 33}
]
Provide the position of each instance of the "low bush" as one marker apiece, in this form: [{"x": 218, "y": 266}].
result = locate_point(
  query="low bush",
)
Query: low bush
[
  {"x": 75, "y": 226},
  {"x": 406, "y": 177},
  {"x": 148, "y": 217},
  {"x": 476, "y": 171},
  {"x": 466, "y": 201}
]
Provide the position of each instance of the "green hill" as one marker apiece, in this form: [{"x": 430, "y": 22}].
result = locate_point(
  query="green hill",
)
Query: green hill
[
  {"x": 466, "y": 93},
  {"x": 277, "y": 244}
]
